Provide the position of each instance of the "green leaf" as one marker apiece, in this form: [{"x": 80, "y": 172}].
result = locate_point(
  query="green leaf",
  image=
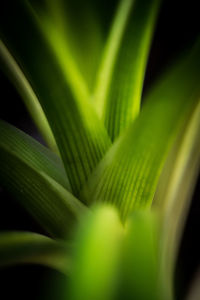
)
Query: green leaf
[
  {"x": 140, "y": 259},
  {"x": 129, "y": 173},
  {"x": 95, "y": 267},
  {"x": 33, "y": 153},
  {"x": 81, "y": 138},
  {"x": 23, "y": 175},
  {"x": 28, "y": 247},
  {"x": 175, "y": 188},
  {"x": 121, "y": 75},
  {"x": 10, "y": 67},
  {"x": 116, "y": 262},
  {"x": 67, "y": 28},
  {"x": 110, "y": 52}
]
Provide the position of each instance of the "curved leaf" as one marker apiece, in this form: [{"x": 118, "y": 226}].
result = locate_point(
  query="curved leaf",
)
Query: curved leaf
[
  {"x": 10, "y": 67},
  {"x": 24, "y": 176},
  {"x": 28, "y": 247},
  {"x": 129, "y": 173},
  {"x": 121, "y": 75},
  {"x": 175, "y": 188},
  {"x": 32, "y": 152},
  {"x": 81, "y": 138}
]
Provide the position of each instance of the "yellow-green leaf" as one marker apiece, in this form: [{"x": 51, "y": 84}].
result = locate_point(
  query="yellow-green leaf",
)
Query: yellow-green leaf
[
  {"x": 121, "y": 75},
  {"x": 129, "y": 173}
]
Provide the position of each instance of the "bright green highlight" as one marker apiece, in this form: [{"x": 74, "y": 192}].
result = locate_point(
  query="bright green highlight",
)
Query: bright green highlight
[
  {"x": 62, "y": 18},
  {"x": 65, "y": 61},
  {"x": 111, "y": 261},
  {"x": 97, "y": 254},
  {"x": 124, "y": 64},
  {"x": 110, "y": 54},
  {"x": 122, "y": 243},
  {"x": 128, "y": 174},
  {"x": 81, "y": 137}
]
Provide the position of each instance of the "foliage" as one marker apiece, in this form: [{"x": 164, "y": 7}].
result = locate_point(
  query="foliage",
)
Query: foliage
[{"x": 113, "y": 186}]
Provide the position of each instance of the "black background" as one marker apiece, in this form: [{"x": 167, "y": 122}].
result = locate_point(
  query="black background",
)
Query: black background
[{"x": 177, "y": 27}]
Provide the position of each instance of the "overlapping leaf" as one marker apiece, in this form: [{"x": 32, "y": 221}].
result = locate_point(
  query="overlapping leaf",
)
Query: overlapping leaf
[
  {"x": 121, "y": 75},
  {"x": 81, "y": 138},
  {"x": 110, "y": 52},
  {"x": 33, "y": 153},
  {"x": 29, "y": 172},
  {"x": 111, "y": 261},
  {"x": 69, "y": 24},
  {"x": 128, "y": 175},
  {"x": 28, "y": 247}
]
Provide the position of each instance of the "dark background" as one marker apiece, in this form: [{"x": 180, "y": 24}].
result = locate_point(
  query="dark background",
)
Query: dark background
[{"x": 177, "y": 27}]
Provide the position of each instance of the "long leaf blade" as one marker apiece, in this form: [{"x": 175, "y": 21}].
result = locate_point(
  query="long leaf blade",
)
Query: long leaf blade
[
  {"x": 129, "y": 173},
  {"x": 31, "y": 151},
  {"x": 28, "y": 248},
  {"x": 50, "y": 203},
  {"x": 175, "y": 188},
  {"x": 122, "y": 72},
  {"x": 13, "y": 71},
  {"x": 66, "y": 23},
  {"x": 110, "y": 52},
  {"x": 81, "y": 138}
]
